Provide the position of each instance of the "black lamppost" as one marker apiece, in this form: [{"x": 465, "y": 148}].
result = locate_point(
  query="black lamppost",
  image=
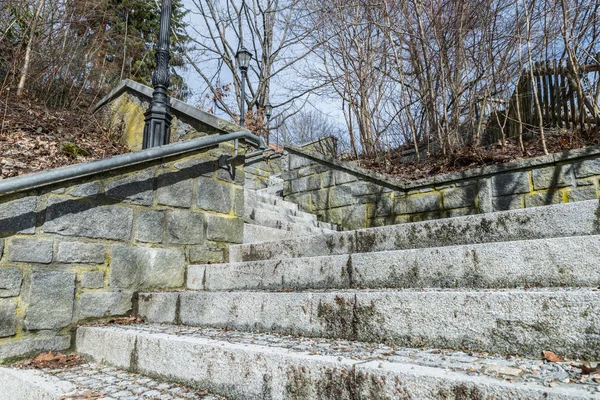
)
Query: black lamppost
[
  {"x": 268, "y": 113},
  {"x": 243, "y": 58},
  {"x": 157, "y": 130}
]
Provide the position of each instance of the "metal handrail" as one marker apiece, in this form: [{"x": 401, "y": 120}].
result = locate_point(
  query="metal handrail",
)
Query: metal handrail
[{"x": 38, "y": 179}]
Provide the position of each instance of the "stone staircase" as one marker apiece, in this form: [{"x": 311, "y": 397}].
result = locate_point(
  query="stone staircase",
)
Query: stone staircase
[
  {"x": 268, "y": 217},
  {"x": 459, "y": 308}
]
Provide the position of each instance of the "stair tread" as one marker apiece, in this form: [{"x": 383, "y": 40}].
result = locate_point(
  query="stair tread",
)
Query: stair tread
[
  {"x": 473, "y": 367},
  {"x": 562, "y": 220},
  {"x": 91, "y": 380},
  {"x": 570, "y": 261}
]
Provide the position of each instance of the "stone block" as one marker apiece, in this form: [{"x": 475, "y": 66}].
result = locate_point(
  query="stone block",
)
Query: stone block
[
  {"x": 341, "y": 177},
  {"x": 8, "y": 318},
  {"x": 400, "y": 204},
  {"x": 174, "y": 190},
  {"x": 543, "y": 199},
  {"x": 1, "y": 248},
  {"x": 236, "y": 176},
  {"x": 306, "y": 171},
  {"x": 383, "y": 205},
  {"x": 365, "y": 188},
  {"x": 214, "y": 196},
  {"x": 552, "y": 177},
  {"x": 459, "y": 197},
  {"x": 327, "y": 179},
  {"x": 287, "y": 188},
  {"x": 340, "y": 196},
  {"x": 585, "y": 182},
  {"x": 584, "y": 193},
  {"x": 10, "y": 282},
  {"x": 484, "y": 196},
  {"x": 51, "y": 296},
  {"x": 77, "y": 252},
  {"x": 204, "y": 255},
  {"x": 418, "y": 203},
  {"x": 32, "y": 347},
  {"x": 30, "y": 250},
  {"x": 297, "y": 162},
  {"x": 146, "y": 268},
  {"x": 349, "y": 218},
  {"x": 507, "y": 203},
  {"x": 299, "y": 185},
  {"x": 136, "y": 188},
  {"x": 587, "y": 168},
  {"x": 104, "y": 304},
  {"x": 196, "y": 166},
  {"x": 510, "y": 183},
  {"x": 221, "y": 229},
  {"x": 92, "y": 279},
  {"x": 149, "y": 226},
  {"x": 313, "y": 182},
  {"x": 320, "y": 199},
  {"x": 90, "y": 189},
  {"x": 238, "y": 202},
  {"x": 18, "y": 216},
  {"x": 461, "y": 212},
  {"x": 184, "y": 227},
  {"x": 79, "y": 218}
]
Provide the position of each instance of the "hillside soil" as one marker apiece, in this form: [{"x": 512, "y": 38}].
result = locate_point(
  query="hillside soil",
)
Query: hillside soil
[
  {"x": 34, "y": 137},
  {"x": 469, "y": 157}
]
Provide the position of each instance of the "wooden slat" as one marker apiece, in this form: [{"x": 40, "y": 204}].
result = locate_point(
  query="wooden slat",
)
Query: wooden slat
[{"x": 557, "y": 95}]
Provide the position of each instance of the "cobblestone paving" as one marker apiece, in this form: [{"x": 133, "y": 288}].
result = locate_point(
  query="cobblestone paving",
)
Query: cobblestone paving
[
  {"x": 511, "y": 368},
  {"x": 95, "y": 381}
]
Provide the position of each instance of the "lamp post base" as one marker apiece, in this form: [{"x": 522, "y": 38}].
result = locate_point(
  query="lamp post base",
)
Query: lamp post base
[{"x": 157, "y": 131}]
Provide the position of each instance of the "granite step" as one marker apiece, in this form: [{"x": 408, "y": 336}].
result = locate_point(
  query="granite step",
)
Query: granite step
[
  {"x": 284, "y": 222},
  {"x": 562, "y": 220},
  {"x": 554, "y": 262},
  {"x": 511, "y": 321},
  {"x": 258, "y": 233},
  {"x": 258, "y": 366},
  {"x": 90, "y": 381},
  {"x": 253, "y": 197}
]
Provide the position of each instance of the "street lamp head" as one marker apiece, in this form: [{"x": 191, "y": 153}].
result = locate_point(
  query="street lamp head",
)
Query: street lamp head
[
  {"x": 243, "y": 57},
  {"x": 268, "y": 111}
]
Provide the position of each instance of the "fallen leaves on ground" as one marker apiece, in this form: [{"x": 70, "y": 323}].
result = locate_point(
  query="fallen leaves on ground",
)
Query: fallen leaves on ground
[
  {"x": 35, "y": 138},
  {"x": 51, "y": 360},
  {"x": 587, "y": 369},
  {"x": 392, "y": 162},
  {"x": 550, "y": 356},
  {"x": 117, "y": 321}
]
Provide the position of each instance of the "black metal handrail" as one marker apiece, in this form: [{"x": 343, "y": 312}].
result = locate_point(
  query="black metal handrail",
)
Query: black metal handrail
[{"x": 38, "y": 179}]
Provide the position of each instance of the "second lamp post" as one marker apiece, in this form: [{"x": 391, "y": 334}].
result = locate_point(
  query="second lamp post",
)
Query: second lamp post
[{"x": 243, "y": 58}]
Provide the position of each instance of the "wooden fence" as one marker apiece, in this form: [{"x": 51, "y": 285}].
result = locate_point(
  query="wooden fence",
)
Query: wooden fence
[{"x": 561, "y": 95}]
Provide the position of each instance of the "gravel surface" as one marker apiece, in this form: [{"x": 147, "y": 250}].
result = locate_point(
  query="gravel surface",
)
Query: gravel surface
[
  {"x": 512, "y": 368},
  {"x": 95, "y": 381}
]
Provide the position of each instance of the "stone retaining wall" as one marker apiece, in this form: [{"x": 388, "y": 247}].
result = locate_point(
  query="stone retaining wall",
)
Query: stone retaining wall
[
  {"x": 259, "y": 169},
  {"x": 80, "y": 250},
  {"x": 355, "y": 198}
]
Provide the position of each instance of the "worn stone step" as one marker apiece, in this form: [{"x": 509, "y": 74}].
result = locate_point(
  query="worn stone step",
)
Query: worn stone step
[
  {"x": 257, "y": 233},
  {"x": 287, "y": 223},
  {"x": 278, "y": 210},
  {"x": 554, "y": 262},
  {"x": 89, "y": 381},
  {"x": 505, "y": 321},
  {"x": 255, "y": 197},
  {"x": 573, "y": 219},
  {"x": 260, "y": 366}
]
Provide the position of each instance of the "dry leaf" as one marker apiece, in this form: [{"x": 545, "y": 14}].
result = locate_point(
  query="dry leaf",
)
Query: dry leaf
[
  {"x": 586, "y": 369},
  {"x": 550, "y": 356}
]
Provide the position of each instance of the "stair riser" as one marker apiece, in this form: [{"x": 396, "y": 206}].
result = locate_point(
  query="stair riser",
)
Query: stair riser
[
  {"x": 252, "y": 372},
  {"x": 512, "y": 322},
  {"x": 535, "y": 263},
  {"x": 576, "y": 219},
  {"x": 257, "y": 233}
]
